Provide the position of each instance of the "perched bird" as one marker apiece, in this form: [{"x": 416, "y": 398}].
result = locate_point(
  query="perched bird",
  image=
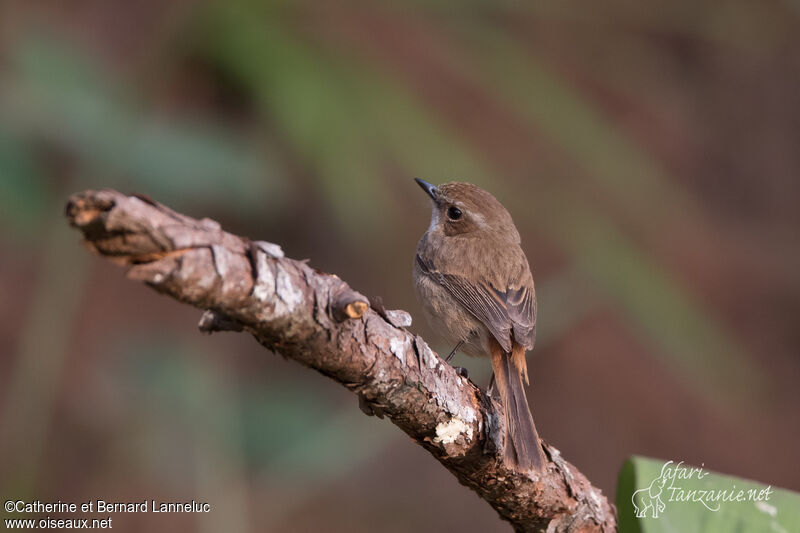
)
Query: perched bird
[{"x": 476, "y": 289}]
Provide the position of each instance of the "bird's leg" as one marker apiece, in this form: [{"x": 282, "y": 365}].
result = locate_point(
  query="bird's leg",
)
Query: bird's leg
[
  {"x": 490, "y": 388},
  {"x": 453, "y": 353},
  {"x": 459, "y": 369}
]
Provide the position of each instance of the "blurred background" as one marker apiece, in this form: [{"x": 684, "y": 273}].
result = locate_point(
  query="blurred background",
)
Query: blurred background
[{"x": 648, "y": 154}]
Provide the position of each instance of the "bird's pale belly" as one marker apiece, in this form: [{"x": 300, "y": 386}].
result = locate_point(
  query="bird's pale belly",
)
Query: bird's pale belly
[{"x": 437, "y": 301}]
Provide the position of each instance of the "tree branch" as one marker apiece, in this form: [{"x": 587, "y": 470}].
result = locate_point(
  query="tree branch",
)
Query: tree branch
[{"x": 320, "y": 322}]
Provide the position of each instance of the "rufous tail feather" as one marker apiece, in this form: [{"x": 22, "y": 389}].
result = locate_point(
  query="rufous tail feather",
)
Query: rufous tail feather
[{"x": 523, "y": 450}]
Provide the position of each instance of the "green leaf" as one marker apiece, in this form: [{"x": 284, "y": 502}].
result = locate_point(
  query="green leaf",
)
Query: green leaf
[{"x": 677, "y": 497}]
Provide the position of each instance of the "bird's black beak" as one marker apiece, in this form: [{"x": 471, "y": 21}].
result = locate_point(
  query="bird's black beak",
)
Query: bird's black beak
[{"x": 428, "y": 188}]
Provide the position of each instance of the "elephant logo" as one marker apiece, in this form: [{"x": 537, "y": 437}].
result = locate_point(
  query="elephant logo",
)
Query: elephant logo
[{"x": 650, "y": 498}]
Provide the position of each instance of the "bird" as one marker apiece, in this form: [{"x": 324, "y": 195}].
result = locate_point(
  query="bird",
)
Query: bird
[{"x": 476, "y": 289}]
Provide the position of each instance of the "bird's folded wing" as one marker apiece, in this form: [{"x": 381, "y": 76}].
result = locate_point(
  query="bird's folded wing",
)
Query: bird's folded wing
[{"x": 501, "y": 311}]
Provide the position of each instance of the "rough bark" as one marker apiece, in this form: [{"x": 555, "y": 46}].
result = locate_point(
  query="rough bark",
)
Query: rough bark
[{"x": 319, "y": 321}]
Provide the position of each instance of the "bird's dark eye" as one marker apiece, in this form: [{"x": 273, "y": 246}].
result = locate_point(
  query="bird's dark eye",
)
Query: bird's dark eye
[{"x": 454, "y": 213}]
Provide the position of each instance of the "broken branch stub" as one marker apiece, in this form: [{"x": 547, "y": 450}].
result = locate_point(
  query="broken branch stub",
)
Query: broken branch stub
[{"x": 347, "y": 303}]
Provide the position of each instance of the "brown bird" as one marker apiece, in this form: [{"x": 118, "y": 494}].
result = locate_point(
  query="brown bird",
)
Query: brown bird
[{"x": 476, "y": 289}]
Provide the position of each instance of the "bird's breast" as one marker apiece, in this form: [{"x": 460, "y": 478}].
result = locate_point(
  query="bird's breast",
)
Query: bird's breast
[{"x": 448, "y": 318}]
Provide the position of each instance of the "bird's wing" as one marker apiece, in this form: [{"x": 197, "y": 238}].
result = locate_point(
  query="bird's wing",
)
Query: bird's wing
[
  {"x": 502, "y": 311},
  {"x": 521, "y": 305}
]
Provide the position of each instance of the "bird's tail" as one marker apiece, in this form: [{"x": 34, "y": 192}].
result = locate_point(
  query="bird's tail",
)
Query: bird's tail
[{"x": 523, "y": 451}]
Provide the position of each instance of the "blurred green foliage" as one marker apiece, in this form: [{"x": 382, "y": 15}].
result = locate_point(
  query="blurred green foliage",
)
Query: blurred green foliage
[
  {"x": 21, "y": 186},
  {"x": 61, "y": 97}
]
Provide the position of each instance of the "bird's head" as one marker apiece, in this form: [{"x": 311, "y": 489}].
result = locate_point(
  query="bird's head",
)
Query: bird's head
[{"x": 463, "y": 209}]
